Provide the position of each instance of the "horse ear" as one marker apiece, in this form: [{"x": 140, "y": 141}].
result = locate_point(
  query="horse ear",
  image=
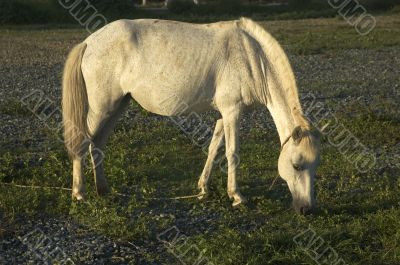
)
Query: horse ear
[{"x": 297, "y": 134}]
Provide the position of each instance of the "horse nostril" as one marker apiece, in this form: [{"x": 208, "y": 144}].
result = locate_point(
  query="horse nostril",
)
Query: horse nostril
[{"x": 303, "y": 208}]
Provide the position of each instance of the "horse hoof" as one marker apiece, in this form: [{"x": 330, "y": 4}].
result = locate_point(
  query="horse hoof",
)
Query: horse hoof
[
  {"x": 237, "y": 199},
  {"x": 102, "y": 190},
  {"x": 202, "y": 195},
  {"x": 238, "y": 202},
  {"x": 78, "y": 196}
]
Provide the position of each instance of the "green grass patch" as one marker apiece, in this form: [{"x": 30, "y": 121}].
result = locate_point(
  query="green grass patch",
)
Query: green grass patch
[{"x": 155, "y": 161}]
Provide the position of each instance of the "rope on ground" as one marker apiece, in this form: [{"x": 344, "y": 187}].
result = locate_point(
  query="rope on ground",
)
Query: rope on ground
[
  {"x": 35, "y": 187},
  {"x": 117, "y": 193},
  {"x": 273, "y": 183}
]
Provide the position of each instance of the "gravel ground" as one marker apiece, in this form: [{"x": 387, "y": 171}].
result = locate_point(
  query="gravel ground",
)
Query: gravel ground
[
  {"x": 67, "y": 241},
  {"x": 338, "y": 79}
]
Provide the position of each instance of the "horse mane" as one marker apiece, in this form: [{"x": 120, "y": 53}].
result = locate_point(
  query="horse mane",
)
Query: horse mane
[
  {"x": 280, "y": 66},
  {"x": 277, "y": 57}
]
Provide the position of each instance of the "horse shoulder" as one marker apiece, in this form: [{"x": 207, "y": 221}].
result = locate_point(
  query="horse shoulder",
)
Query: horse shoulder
[{"x": 242, "y": 72}]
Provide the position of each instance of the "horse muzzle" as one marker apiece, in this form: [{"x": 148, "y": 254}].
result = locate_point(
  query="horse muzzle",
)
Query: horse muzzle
[{"x": 302, "y": 207}]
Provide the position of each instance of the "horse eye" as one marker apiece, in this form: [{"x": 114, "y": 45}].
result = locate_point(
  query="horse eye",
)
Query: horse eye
[{"x": 297, "y": 167}]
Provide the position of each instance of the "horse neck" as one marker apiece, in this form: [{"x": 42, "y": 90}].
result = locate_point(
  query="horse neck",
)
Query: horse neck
[
  {"x": 281, "y": 113},
  {"x": 278, "y": 89}
]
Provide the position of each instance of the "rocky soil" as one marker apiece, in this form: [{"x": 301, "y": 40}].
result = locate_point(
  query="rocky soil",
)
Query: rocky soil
[{"x": 369, "y": 78}]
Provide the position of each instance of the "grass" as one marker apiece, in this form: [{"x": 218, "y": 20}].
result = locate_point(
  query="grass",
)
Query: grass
[
  {"x": 321, "y": 35},
  {"x": 358, "y": 213}
]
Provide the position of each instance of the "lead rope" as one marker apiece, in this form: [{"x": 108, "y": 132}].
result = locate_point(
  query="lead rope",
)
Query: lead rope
[
  {"x": 283, "y": 144},
  {"x": 117, "y": 193}
]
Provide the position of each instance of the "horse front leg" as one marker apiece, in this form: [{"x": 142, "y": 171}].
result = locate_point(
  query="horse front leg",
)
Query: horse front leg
[
  {"x": 215, "y": 144},
  {"x": 231, "y": 119}
]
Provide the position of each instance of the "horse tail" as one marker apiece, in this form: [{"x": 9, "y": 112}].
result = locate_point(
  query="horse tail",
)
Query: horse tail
[{"x": 74, "y": 102}]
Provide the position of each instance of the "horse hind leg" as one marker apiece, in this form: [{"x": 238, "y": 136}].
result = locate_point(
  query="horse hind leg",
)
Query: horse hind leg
[
  {"x": 78, "y": 179},
  {"x": 100, "y": 127}
]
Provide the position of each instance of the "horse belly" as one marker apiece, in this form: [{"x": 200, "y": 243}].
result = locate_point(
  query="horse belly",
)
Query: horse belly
[{"x": 168, "y": 102}]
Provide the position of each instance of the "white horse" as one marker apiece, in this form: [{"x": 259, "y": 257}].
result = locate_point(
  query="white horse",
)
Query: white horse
[{"x": 225, "y": 66}]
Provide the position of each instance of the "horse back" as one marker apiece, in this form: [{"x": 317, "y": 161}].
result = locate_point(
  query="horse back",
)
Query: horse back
[{"x": 166, "y": 66}]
